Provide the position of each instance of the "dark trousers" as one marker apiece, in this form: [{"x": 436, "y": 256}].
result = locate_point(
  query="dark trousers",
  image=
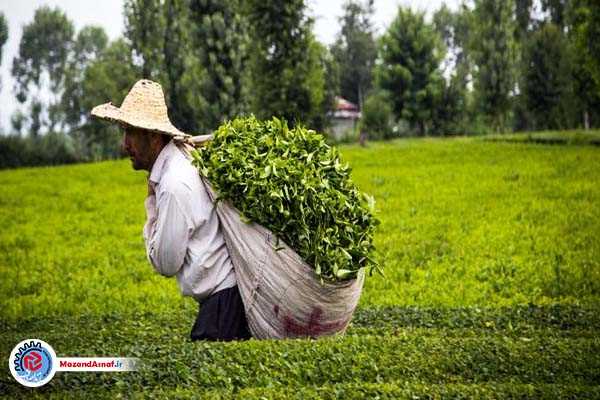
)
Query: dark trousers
[{"x": 221, "y": 317}]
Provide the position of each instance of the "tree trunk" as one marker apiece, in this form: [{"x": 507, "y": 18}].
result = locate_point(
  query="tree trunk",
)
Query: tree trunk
[{"x": 360, "y": 99}]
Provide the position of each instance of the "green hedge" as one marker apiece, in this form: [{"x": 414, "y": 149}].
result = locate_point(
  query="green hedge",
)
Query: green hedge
[
  {"x": 524, "y": 354},
  {"x": 574, "y": 137},
  {"x": 387, "y": 390},
  {"x": 50, "y": 149}
]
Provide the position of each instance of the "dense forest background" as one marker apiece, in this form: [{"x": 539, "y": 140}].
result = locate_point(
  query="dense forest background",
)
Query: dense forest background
[{"x": 487, "y": 67}]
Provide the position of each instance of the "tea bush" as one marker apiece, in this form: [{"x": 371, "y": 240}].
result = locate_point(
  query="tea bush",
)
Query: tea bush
[
  {"x": 491, "y": 287},
  {"x": 293, "y": 183}
]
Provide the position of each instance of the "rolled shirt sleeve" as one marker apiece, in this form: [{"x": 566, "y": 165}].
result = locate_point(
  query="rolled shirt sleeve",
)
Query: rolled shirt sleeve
[{"x": 167, "y": 230}]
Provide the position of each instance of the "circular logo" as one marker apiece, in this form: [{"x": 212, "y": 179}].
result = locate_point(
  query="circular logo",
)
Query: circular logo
[{"x": 32, "y": 362}]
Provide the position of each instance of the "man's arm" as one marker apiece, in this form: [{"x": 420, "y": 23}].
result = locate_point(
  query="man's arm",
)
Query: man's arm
[{"x": 167, "y": 231}]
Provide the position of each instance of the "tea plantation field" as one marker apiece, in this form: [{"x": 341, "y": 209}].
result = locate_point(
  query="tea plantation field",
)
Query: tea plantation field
[{"x": 491, "y": 252}]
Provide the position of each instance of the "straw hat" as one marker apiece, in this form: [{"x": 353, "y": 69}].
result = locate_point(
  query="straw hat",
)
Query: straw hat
[{"x": 144, "y": 107}]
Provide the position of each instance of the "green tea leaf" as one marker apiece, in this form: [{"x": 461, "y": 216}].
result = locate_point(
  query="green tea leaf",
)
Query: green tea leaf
[{"x": 293, "y": 183}]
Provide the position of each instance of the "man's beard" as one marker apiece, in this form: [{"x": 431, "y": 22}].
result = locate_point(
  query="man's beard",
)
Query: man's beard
[
  {"x": 141, "y": 163},
  {"x": 138, "y": 164}
]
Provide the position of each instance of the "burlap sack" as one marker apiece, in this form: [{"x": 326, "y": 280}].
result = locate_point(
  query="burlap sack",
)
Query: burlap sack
[{"x": 282, "y": 295}]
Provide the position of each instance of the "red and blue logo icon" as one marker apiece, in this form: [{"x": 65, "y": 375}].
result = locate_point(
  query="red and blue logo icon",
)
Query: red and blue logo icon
[{"x": 33, "y": 362}]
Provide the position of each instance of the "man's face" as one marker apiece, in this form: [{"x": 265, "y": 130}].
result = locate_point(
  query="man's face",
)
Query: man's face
[{"x": 139, "y": 145}]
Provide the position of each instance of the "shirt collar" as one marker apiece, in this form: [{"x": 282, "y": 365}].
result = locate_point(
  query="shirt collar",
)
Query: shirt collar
[{"x": 164, "y": 155}]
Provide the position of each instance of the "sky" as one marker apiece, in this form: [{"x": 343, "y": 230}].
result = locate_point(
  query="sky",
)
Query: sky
[{"x": 109, "y": 15}]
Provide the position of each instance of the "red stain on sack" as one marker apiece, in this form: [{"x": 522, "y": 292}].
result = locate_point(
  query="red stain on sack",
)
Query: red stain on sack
[{"x": 314, "y": 327}]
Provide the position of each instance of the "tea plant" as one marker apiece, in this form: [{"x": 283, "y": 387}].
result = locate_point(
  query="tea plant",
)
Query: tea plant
[{"x": 294, "y": 184}]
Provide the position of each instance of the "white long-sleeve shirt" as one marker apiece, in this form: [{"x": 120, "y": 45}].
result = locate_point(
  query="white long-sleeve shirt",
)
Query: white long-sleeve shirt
[{"x": 182, "y": 233}]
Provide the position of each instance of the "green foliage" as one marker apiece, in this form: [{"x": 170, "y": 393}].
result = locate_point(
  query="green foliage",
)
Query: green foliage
[
  {"x": 523, "y": 10},
  {"x": 355, "y": 50},
  {"x": 220, "y": 41},
  {"x": 585, "y": 33},
  {"x": 286, "y": 75},
  {"x": 494, "y": 51},
  {"x": 411, "y": 52},
  {"x": 575, "y": 137},
  {"x": 179, "y": 68},
  {"x": 587, "y": 100},
  {"x": 3, "y": 33},
  {"x": 547, "y": 79},
  {"x": 570, "y": 96},
  {"x": 196, "y": 49},
  {"x": 377, "y": 116},
  {"x": 159, "y": 36},
  {"x": 3, "y": 37},
  {"x": 557, "y": 10},
  {"x": 548, "y": 352},
  {"x": 53, "y": 148},
  {"x": 107, "y": 78},
  {"x": 452, "y": 109},
  {"x": 475, "y": 223},
  {"x": 469, "y": 232},
  {"x": 43, "y": 55},
  {"x": 331, "y": 76},
  {"x": 294, "y": 184},
  {"x": 144, "y": 30},
  {"x": 517, "y": 320},
  {"x": 90, "y": 43},
  {"x": 75, "y": 75},
  {"x": 449, "y": 116},
  {"x": 455, "y": 27}
]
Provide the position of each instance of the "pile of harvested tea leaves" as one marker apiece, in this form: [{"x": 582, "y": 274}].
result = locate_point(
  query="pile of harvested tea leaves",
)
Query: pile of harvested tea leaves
[{"x": 293, "y": 183}]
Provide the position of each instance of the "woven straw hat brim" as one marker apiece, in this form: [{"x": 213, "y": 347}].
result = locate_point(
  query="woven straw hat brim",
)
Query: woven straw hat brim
[{"x": 111, "y": 113}]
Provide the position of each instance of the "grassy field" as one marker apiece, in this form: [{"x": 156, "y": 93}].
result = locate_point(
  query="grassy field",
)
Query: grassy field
[{"x": 491, "y": 253}]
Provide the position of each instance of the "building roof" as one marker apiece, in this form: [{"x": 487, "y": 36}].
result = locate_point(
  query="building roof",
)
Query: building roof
[
  {"x": 345, "y": 110},
  {"x": 343, "y": 104}
]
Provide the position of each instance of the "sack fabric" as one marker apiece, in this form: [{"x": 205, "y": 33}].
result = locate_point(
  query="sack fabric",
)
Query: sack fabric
[{"x": 282, "y": 295}]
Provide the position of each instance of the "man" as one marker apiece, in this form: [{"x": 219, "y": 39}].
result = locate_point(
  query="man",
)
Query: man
[{"x": 182, "y": 232}]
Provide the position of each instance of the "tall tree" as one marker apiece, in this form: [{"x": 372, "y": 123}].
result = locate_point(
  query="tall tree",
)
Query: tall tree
[
  {"x": 524, "y": 23},
  {"x": 454, "y": 27},
  {"x": 195, "y": 48},
  {"x": 158, "y": 32},
  {"x": 107, "y": 78},
  {"x": 329, "y": 73},
  {"x": 355, "y": 50},
  {"x": 39, "y": 69},
  {"x": 89, "y": 44},
  {"x": 584, "y": 31},
  {"x": 178, "y": 65},
  {"x": 452, "y": 106},
  {"x": 410, "y": 54},
  {"x": 219, "y": 37},
  {"x": 286, "y": 76},
  {"x": 523, "y": 10},
  {"x": 494, "y": 52},
  {"x": 144, "y": 29},
  {"x": 3, "y": 33},
  {"x": 3, "y": 38},
  {"x": 547, "y": 84},
  {"x": 557, "y": 10}
]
